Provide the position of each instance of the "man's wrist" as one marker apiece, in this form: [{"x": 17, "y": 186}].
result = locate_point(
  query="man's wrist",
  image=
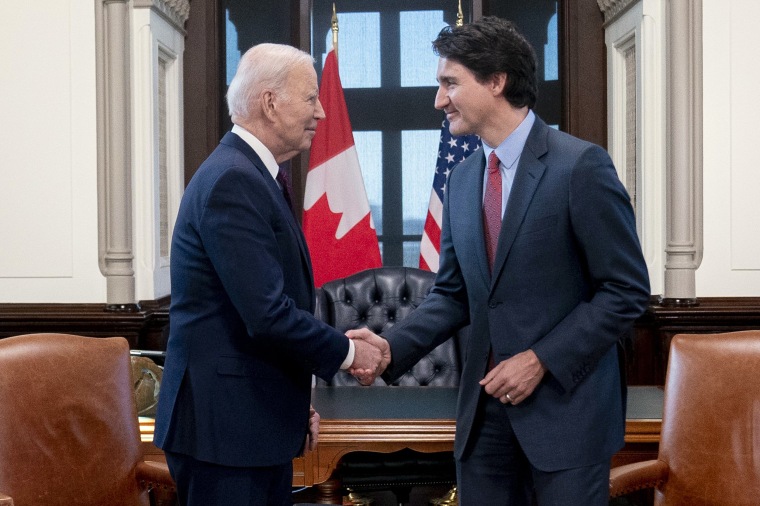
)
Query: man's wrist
[{"x": 349, "y": 357}]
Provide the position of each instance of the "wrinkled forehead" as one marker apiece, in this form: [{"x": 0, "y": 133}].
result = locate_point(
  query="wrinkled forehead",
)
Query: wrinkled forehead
[{"x": 302, "y": 78}]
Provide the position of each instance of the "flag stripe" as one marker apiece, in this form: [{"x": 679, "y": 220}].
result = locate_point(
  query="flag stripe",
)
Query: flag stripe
[
  {"x": 451, "y": 151},
  {"x": 428, "y": 254}
]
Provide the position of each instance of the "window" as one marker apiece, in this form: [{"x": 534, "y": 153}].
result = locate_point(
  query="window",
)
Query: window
[{"x": 387, "y": 68}]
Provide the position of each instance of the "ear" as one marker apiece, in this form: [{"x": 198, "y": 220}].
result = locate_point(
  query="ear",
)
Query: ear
[
  {"x": 498, "y": 82},
  {"x": 269, "y": 104}
]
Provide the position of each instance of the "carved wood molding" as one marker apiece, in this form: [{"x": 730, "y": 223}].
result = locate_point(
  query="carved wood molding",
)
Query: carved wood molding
[
  {"x": 175, "y": 12},
  {"x": 613, "y": 9}
]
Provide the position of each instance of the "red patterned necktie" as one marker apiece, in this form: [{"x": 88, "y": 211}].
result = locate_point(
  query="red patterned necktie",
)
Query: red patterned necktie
[{"x": 492, "y": 207}]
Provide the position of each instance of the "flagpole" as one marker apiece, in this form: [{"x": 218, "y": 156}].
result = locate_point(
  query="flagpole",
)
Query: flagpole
[
  {"x": 451, "y": 150},
  {"x": 334, "y": 28},
  {"x": 337, "y": 218}
]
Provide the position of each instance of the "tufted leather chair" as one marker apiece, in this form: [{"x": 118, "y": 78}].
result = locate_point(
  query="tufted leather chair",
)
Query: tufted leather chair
[
  {"x": 709, "y": 443},
  {"x": 68, "y": 424},
  {"x": 377, "y": 299}
]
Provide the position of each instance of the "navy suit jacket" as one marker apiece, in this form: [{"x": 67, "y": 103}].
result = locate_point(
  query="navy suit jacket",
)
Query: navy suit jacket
[
  {"x": 243, "y": 341},
  {"x": 568, "y": 282}
]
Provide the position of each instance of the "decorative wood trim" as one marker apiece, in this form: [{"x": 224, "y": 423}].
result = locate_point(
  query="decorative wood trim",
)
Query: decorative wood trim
[
  {"x": 613, "y": 9},
  {"x": 712, "y": 314},
  {"x": 175, "y": 12},
  {"x": 647, "y": 353},
  {"x": 147, "y": 328},
  {"x": 201, "y": 82},
  {"x": 583, "y": 70}
]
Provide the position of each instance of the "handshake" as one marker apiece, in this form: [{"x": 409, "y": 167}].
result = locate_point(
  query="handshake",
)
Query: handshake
[{"x": 372, "y": 355}]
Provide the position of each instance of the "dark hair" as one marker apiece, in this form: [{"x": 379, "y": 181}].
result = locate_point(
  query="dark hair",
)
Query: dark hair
[{"x": 491, "y": 45}]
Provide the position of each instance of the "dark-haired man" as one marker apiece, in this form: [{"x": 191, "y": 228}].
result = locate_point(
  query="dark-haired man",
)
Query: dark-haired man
[{"x": 539, "y": 253}]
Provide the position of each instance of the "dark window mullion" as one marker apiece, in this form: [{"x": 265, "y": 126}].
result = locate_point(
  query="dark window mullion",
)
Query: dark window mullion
[{"x": 393, "y": 227}]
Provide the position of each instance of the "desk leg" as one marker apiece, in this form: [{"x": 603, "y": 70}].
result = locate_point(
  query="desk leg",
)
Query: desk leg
[{"x": 330, "y": 492}]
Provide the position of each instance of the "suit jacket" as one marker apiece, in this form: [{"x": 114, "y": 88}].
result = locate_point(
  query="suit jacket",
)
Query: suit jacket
[
  {"x": 569, "y": 280},
  {"x": 243, "y": 341}
]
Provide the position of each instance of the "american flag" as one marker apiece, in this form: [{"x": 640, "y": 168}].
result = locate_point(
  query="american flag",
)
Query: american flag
[{"x": 451, "y": 151}]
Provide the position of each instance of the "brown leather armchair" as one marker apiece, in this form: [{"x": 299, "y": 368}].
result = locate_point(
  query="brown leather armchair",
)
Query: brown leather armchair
[
  {"x": 710, "y": 439},
  {"x": 68, "y": 424}
]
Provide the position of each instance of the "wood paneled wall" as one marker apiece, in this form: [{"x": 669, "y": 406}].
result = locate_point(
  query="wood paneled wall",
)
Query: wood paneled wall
[
  {"x": 146, "y": 328},
  {"x": 647, "y": 352}
]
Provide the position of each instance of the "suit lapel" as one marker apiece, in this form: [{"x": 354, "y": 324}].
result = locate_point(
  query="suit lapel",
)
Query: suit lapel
[
  {"x": 236, "y": 142},
  {"x": 472, "y": 170},
  {"x": 529, "y": 172}
]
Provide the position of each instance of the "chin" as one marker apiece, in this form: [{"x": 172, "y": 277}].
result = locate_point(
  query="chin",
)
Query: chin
[{"x": 456, "y": 130}]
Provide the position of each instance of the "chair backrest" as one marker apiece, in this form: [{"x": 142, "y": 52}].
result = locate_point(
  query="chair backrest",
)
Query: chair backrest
[
  {"x": 69, "y": 432},
  {"x": 377, "y": 299},
  {"x": 710, "y": 435}
]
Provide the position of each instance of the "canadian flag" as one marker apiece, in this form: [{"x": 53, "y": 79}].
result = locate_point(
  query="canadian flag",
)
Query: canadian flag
[{"x": 336, "y": 221}]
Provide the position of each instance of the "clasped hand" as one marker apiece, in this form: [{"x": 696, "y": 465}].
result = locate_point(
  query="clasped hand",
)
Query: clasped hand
[{"x": 372, "y": 355}]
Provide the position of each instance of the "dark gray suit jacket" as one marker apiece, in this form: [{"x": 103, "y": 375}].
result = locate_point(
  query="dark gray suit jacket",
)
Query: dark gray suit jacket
[{"x": 569, "y": 280}]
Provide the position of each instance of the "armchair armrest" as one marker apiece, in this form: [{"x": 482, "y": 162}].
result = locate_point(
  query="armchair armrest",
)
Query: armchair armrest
[
  {"x": 5, "y": 500},
  {"x": 153, "y": 475},
  {"x": 640, "y": 475}
]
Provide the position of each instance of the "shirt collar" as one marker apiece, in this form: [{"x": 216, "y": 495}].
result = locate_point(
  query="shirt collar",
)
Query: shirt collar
[
  {"x": 266, "y": 156},
  {"x": 511, "y": 148}
]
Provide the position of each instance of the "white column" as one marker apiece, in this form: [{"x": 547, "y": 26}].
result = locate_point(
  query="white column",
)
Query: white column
[
  {"x": 684, "y": 167},
  {"x": 114, "y": 154}
]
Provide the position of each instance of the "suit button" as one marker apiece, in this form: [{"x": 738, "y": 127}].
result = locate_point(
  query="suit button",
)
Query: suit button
[{"x": 493, "y": 305}]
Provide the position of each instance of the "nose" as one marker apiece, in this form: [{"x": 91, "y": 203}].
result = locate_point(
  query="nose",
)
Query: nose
[
  {"x": 441, "y": 99},
  {"x": 319, "y": 112}
]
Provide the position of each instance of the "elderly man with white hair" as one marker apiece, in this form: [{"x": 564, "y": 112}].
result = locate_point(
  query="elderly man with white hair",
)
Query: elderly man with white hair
[{"x": 234, "y": 408}]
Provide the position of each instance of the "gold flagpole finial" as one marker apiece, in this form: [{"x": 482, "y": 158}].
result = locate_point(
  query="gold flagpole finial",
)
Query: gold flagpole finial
[
  {"x": 334, "y": 27},
  {"x": 460, "y": 16}
]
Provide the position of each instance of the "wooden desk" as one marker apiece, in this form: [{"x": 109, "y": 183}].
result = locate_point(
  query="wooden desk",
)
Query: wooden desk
[{"x": 387, "y": 419}]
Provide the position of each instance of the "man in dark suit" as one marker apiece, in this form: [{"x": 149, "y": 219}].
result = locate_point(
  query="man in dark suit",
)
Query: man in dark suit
[
  {"x": 234, "y": 408},
  {"x": 539, "y": 253}
]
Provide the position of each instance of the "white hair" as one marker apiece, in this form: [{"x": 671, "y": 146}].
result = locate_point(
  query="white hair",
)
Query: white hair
[{"x": 264, "y": 66}]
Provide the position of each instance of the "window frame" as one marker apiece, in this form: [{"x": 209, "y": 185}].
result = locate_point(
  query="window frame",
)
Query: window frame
[{"x": 582, "y": 76}]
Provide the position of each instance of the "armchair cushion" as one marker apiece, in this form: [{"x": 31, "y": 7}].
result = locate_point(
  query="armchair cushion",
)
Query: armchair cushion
[{"x": 68, "y": 428}]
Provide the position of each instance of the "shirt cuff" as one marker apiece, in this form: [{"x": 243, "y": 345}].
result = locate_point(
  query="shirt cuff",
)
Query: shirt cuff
[{"x": 350, "y": 357}]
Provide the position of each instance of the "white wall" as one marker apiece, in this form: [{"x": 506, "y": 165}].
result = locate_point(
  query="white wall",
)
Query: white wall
[
  {"x": 48, "y": 197},
  {"x": 731, "y": 262}
]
